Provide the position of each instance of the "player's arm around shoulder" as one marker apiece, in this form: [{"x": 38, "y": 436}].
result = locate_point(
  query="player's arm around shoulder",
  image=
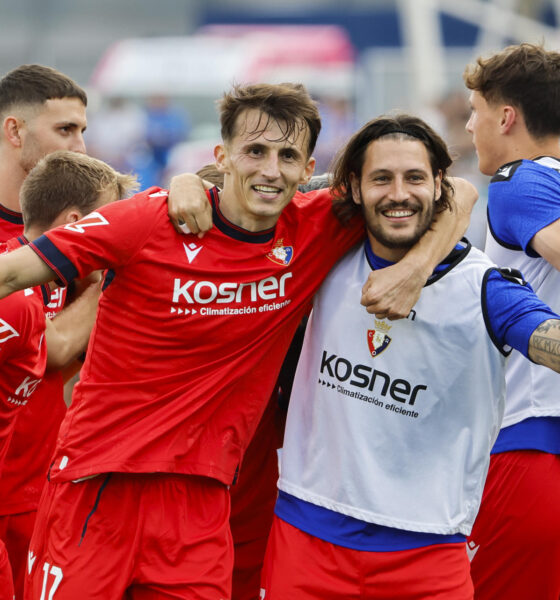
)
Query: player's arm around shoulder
[
  {"x": 546, "y": 243},
  {"x": 188, "y": 204},
  {"x": 21, "y": 269}
]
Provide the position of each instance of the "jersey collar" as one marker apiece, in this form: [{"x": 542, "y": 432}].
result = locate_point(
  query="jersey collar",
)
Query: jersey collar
[{"x": 231, "y": 230}]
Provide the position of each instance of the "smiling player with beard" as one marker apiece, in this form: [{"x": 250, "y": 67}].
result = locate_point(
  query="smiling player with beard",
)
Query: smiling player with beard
[{"x": 387, "y": 444}]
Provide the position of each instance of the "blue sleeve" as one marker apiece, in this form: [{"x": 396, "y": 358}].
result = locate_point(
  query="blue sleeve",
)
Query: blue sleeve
[
  {"x": 513, "y": 311},
  {"x": 525, "y": 203}
]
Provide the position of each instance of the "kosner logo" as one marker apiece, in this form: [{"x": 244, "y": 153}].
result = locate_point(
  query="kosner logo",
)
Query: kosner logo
[
  {"x": 205, "y": 292},
  {"x": 366, "y": 377}
]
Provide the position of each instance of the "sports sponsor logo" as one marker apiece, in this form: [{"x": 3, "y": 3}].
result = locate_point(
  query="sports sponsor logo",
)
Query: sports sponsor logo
[
  {"x": 27, "y": 387},
  {"x": 377, "y": 338},
  {"x": 366, "y": 377},
  {"x": 228, "y": 292},
  {"x": 94, "y": 219},
  {"x": 191, "y": 250},
  {"x": 7, "y": 332},
  {"x": 504, "y": 171},
  {"x": 472, "y": 549},
  {"x": 24, "y": 390},
  {"x": 280, "y": 254}
]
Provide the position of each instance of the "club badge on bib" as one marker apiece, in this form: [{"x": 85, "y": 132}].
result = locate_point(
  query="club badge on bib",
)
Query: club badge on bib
[{"x": 377, "y": 338}]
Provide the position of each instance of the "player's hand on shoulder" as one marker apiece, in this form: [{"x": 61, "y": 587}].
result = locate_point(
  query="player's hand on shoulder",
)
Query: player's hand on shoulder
[
  {"x": 188, "y": 206},
  {"x": 390, "y": 293}
]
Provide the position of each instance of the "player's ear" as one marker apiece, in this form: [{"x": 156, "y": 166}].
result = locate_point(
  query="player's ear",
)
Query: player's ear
[
  {"x": 11, "y": 128},
  {"x": 73, "y": 215},
  {"x": 355, "y": 184},
  {"x": 437, "y": 182},
  {"x": 70, "y": 215},
  {"x": 221, "y": 157},
  {"x": 308, "y": 171},
  {"x": 510, "y": 116}
]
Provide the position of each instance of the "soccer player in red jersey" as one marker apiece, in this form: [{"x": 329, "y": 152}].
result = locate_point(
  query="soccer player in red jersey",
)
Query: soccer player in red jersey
[
  {"x": 22, "y": 363},
  {"x": 62, "y": 188},
  {"x": 187, "y": 346},
  {"x": 41, "y": 110}
]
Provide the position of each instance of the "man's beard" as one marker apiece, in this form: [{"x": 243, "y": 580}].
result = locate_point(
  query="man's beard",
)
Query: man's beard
[{"x": 392, "y": 240}]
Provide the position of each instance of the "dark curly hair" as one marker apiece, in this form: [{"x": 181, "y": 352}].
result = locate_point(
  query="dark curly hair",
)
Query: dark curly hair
[{"x": 351, "y": 159}]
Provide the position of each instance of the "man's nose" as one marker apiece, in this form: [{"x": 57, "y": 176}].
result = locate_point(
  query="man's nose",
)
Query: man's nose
[{"x": 271, "y": 166}]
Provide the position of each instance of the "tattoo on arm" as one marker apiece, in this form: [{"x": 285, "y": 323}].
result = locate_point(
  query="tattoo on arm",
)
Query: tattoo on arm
[{"x": 544, "y": 345}]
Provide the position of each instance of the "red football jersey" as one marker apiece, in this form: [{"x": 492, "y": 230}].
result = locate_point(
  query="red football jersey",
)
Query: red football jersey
[
  {"x": 11, "y": 224},
  {"x": 190, "y": 334},
  {"x": 35, "y": 430},
  {"x": 23, "y": 355}
]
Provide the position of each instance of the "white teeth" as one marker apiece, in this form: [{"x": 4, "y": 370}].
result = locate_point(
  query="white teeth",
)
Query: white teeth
[
  {"x": 266, "y": 189},
  {"x": 398, "y": 213}
]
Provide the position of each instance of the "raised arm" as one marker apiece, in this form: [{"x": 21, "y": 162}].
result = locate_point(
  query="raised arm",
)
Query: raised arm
[
  {"x": 544, "y": 344},
  {"x": 188, "y": 204},
  {"x": 68, "y": 333},
  {"x": 21, "y": 269},
  {"x": 392, "y": 292}
]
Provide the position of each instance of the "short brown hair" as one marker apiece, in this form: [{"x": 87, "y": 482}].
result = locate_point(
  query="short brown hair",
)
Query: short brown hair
[
  {"x": 352, "y": 157},
  {"x": 34, "y": 85},
  {"x": 288, "y": 104},
  {"x": 526, "y": 76},
  {"x": 210, "y": 173},
  {"x": 65, "y": 179}
]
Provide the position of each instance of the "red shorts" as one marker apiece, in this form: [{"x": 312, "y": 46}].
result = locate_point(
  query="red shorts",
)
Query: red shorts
[
  {"x": 515, "y": 541},
  {"x": 6, "y": 584},
  {"x": 298, "y": 565},
  {"x": 16, "y": 532},
  {"x": 133, "y": 536}
]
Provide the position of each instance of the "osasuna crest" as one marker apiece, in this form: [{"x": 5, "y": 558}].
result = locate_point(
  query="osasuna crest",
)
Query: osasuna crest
[
  {"x": 280, "y": 254},
  {"x": 377, "y": 338}
]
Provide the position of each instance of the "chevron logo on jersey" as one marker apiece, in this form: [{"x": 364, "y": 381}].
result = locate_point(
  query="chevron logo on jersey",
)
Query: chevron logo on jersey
[
  {"x": 6, "y": 331},
  {"x": 91, "y": 220},
  {"x": 377, "y": 339},
  {"x": 280, "y": 254}
]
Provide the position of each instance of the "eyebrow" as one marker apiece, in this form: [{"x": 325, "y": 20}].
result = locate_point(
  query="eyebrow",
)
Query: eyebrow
[
  {"x": 259, "y": 145},
  {"x": 70, "y": 124},
  {"x": 390, "y": 172}
]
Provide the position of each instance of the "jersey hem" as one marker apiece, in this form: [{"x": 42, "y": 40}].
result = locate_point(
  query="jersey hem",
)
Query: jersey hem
[
  {"x": 510, "y": 420},
  {"x": 69, "y": 474},
  {"x": 371, "y": 517}
]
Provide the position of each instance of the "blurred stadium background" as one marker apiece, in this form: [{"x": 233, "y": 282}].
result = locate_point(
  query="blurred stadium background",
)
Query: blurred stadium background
[{"x": 153, "y": 69}]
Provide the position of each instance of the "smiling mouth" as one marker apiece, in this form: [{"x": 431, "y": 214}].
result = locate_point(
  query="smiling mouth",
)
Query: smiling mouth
[
  {"x": 267, "y": 189},
  {"x": 398, "y": 214}
]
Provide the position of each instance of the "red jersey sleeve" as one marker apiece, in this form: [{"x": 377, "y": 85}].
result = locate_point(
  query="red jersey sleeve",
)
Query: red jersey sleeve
[{"x": 105, "y": 239}]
